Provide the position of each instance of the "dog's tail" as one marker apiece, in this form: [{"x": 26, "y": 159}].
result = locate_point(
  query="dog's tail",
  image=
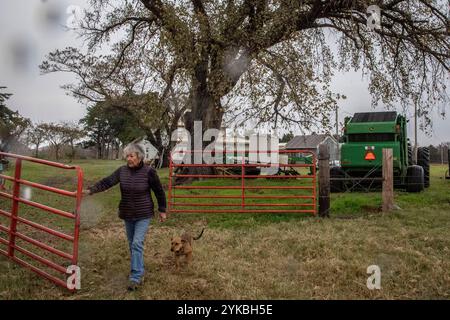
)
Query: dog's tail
[{"x": 200, "y": 235}]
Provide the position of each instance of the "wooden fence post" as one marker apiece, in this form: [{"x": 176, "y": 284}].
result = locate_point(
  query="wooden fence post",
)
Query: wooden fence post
[
  {"x": 324, "y": 181},
  {"x": 388, "y": 181}
]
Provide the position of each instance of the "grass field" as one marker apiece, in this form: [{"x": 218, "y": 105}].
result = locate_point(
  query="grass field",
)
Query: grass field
[{"x": 251, "y": 256}]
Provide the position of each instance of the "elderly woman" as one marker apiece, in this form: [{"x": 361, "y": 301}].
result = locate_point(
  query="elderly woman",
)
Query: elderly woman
[{"x": 136, "y": 206}]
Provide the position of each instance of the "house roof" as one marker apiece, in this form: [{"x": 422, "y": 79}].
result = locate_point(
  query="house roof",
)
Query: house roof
[{"x": 307, "y": 142}]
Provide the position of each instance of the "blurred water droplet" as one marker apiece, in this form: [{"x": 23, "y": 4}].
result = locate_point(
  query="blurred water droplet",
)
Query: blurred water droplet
[
  {"x": 22, "y": 54},
  {"x": 51, "y": 16},
  {"x": 26, "y": 193}
]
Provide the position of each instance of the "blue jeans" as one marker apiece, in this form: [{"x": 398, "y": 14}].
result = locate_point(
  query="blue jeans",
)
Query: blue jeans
[{"x": 136, "y": 231}]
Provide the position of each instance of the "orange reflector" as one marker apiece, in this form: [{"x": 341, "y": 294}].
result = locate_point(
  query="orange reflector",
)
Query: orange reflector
[{"x": 369, "y": 156}]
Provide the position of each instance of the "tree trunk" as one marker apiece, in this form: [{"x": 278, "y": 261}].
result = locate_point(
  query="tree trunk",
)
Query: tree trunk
[
  {"x": 72, "y": 152},
  {"x": 99, "y": 148},
  {"x": 56, "y": 152},
  {"x": 206, "y": 109},
  {"x": 107, "y": 151},
  {"x": 117, "y": 150},
  {"x": 165, "y": 157}
]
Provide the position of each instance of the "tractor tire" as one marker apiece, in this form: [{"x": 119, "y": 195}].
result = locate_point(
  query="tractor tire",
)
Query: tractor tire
[
  {"x": 414, "y": 179},
  {"x": 423, "y": 160},
  {"x": 410, "y": 155},
  {"x": 336, "y": 185}
]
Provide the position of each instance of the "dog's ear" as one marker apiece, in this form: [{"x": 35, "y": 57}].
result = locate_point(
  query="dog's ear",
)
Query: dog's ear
[{"x": 183, "y": 240}]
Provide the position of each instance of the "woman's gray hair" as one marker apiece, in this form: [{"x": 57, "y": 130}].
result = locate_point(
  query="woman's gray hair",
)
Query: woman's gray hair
[{"x": 136, "y": 148}]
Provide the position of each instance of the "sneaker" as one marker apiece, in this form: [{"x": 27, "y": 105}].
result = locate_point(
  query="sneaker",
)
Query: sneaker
[{"x": 133, "y": 286}]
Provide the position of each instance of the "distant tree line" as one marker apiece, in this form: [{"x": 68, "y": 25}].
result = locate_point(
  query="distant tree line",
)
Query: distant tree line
[
  {"x": 58, "y": 136},
  {"x": 439, "y": 153}
]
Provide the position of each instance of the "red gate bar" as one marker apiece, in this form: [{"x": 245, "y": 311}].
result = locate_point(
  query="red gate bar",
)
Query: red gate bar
[
  {"x": 313, "y": 211},
  {"x": 15, "y": 218},
  {"x": 248, "y": 197},
  {"x": 302, "y": 207},
  {"x": 238, "y": 176},
  {"x": 237, "y": 205},
  {"x": 249, "y": 187}
]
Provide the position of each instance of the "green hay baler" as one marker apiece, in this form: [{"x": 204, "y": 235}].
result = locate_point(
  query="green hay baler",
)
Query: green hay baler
[{"x": 365, "y": 136}]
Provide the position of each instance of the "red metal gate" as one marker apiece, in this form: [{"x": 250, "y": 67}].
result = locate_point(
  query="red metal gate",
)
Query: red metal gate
[
  {"x": 302, "y": 188},
  {"x": 24, "y": 256}
]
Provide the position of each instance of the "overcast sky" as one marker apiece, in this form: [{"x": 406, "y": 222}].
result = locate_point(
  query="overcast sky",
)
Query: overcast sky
[{"x": 29, "y": 29}]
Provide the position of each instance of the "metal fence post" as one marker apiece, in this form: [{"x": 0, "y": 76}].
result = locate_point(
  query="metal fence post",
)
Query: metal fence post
[{"x": 14, "y": 208}]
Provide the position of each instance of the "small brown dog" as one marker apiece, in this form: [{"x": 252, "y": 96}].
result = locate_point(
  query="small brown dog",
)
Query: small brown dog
[{"x": 182, "y": 246}]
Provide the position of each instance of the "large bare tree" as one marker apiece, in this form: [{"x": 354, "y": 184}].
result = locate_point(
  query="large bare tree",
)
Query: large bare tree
[{"x": 266, "y": 60}]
